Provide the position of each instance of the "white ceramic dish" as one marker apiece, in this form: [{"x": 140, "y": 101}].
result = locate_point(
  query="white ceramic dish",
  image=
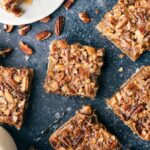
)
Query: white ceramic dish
[
  {"x": 34, "y": 12},
  {"x": 6, "y": 141}
]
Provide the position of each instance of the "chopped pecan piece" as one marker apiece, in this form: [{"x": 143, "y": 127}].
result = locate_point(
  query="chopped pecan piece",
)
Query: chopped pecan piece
[
  {"x": 43, "y": 35},
  {"x": 73, "y": 69},
  {"x": 97, "y": 11},
  {"x": 84, "y": 132},
  {"x": 84, "y": 16},
  {"x": 14, "y": 92},
  {"x": 121, "y": 56},
  {"x": 25, "y": 48},
  {"x": 132, "y": 103},
  {"x": 59, "y": 25},
  {"x": 24, "y": 30},
  {"x": 5, "y": 52},
  {"x": 127, "y": 26},
  {"x": 12, "y": 6},
  {"x": 8, "y": 28}
]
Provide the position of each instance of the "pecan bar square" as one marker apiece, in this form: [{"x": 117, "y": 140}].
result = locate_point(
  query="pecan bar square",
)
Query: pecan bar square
[
  {"x": 127, "y": 25},
  {"x": 14, "y": 92},
  {"x": 12, "y": 6},
  {"x": 132, "y": 103},
  {"x": 73, "y": 69},
  {"x": 84, "y": 132}
]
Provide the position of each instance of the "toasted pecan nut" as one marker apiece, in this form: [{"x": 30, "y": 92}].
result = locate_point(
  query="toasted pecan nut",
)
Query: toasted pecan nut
[
  {"x": 17, "y": 12},
  {"x": 11, "y": 6},
  {"x": 59, "y": 25},
  {"x": 5, "y": 52},
  {"x": 43, "y": 35},
  {"x": 84, "y": 16},
  {"x": 46, "y": 19},
  {"x": 24, "y": 30},
  {"x": 8, "y": 28},
  {"x": 68, "y": 3},
  {"x": 25, "y": 48}
]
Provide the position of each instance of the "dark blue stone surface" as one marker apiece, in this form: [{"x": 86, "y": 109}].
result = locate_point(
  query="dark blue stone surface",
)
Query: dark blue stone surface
[{"x": 45, "y": 108}]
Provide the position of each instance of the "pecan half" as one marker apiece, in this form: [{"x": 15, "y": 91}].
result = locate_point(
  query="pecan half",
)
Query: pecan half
[
  {"x": 25, "y": 48},
  {"x": 46, "y": 19},
  {"x": 8, "y": 28},
  {"x": 24, "y": 30},
  {"x": 17, "y": 12},
  {"x": 59, "y": 25},
  {"x": 84, "y": 16},
  {"x": 5, "y": 52},
  {"x": 43, "y": 35},
  {"x": 68, "y": 3},
  {"x": 135, "y": 109}
]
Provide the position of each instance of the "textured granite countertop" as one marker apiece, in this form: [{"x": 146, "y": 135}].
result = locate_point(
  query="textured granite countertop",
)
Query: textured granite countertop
[{"x": 44, "y": 108}]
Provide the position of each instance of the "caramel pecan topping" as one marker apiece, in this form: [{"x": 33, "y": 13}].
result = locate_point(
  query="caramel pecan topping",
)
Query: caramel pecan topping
[
  {"x": 127, "y": 26},
  {"x": 84, "y": 132},
  {"x": 132, "y": 103},
  {"x": 14, "y": 92},
  {"x": 73, "y": 69}
]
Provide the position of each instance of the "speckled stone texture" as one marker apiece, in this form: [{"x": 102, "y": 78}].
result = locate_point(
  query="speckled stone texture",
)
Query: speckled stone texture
[{"x": 45, "y": 108}]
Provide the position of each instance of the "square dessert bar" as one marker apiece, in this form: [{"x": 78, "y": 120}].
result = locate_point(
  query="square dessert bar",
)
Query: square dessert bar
[
  {"x": 132, "y": 103},
  {"x": 127, "y": 25},
  {"x": 14, "y": 92},
  {"x": 84, "y": 132},
  {"x": 12, "y": 6},
  {"x": 73, "y": 70}
]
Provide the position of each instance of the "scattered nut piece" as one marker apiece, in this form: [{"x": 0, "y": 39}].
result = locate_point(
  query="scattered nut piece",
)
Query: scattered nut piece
[
  {"x": 68, "y": 3},
  {"x": 97, "y": 11},
  {"x": 121, "y": 56},
  {"x": 59, "y": 25},
  {"x": 43, "y": 35},
  {"x": 84, "y": 16},
  {"x": 24, "y": 30},
  {"x": 25, "y": 48},
  {"x": 8, "y": 28},
  {"x": 5, "y": 52},
  {"x": 120, "y": 69},
  {"x": 17, "y": 12},
  {"x": 46, "y": 19}
]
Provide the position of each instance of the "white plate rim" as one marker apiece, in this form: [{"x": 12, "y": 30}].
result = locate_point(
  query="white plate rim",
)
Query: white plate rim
[{"x": 22, "y": 20}]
